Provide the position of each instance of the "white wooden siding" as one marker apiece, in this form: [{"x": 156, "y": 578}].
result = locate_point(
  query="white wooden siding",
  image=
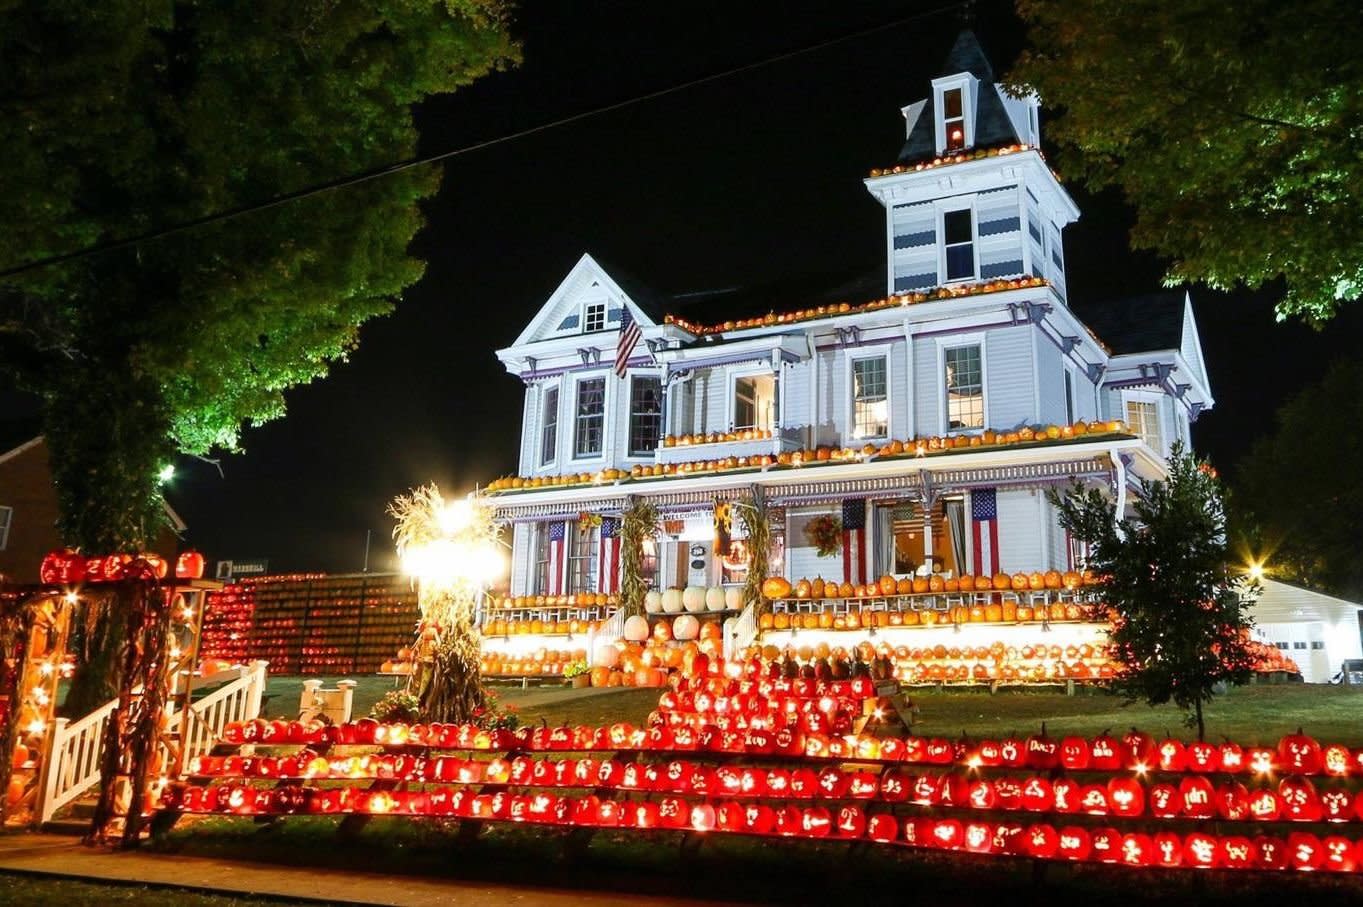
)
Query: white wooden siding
[
  {"x": 998, "y": 231},
  {"x": 1020, "y": 542},
  {"x": 1050, "y": 381},
  {"x": 929, "y": 388},
  {"x": 1009, "y": 384},
  {"x": 913, "y": 243}
]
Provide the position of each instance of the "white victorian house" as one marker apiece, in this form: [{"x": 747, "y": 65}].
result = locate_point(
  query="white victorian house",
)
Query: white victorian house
[{"x": 929, "y": 416}]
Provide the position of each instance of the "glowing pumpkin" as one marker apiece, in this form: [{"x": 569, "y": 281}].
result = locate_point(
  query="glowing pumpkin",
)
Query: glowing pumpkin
[{"x": 776, "y": 587}]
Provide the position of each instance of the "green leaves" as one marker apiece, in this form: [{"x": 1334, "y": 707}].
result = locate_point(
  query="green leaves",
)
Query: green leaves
[
  {"x": 1182, "y": 625},
  {"x": 1234, "y": 133},
  {"x": 136, "y": 116}
]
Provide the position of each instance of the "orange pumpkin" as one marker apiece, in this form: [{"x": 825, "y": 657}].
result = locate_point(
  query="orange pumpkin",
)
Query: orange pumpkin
[
  {"x": 1002, "y": 581},
  {"x": 1072, "y": 579},
  {"x": 936, "y": 583},
  {"x": 888, "y": 585},
  {"x": 1036, "y": 581},
  {"x": 816, "y": 588},
  {"x": 1024, "y": 613},
  {"x": 803, "y": 589},
  {"x": 1053, "y": 579},
  {"x": 904, "y": 586},
  {"x": 920, "y": 584},
  {"x": 846, "y": 590},
  {"x": 776, "y": 587}
]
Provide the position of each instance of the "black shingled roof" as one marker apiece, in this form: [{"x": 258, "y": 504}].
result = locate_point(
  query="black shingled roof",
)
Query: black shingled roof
[
  {"x": 14, "y": 432},
  {"x": 992, "y": 125},
  {"x": 1137, "y": 324}
]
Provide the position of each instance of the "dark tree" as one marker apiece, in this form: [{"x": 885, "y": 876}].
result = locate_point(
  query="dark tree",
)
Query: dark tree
[
  {"x": 1232, "y": 129},
  {"x": 1298, "y": 504},
  {"x": 1181, "y": 627},
  {"x": 121, "y": 117}
]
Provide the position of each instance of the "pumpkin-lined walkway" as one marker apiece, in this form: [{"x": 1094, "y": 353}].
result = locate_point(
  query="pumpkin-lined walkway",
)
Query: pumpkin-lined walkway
[{"x": 59, "y": 855}]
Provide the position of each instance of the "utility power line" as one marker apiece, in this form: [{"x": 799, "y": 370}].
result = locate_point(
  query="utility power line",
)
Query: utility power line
[{"x": 356, "y": 179}]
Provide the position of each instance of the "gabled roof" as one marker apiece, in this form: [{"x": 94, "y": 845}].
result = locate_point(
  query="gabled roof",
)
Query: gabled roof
[
  {"x": 993, "y": 127},
  {"x": 587, "y": 273},
  {"x": 784, "y": 294},
  {"x": 1138, "y": 324}
]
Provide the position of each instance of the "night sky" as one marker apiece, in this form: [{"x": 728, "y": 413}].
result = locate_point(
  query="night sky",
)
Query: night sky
[{"x": 741, "y": 182}]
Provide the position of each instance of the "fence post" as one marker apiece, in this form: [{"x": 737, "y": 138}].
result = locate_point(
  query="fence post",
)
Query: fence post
[
  {"x": 47, "y": 779},
  {"x": 257, "y": 669}
]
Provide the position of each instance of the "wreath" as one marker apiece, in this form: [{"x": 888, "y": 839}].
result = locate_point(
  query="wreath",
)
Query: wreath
[{"x": 824, "y": 534}]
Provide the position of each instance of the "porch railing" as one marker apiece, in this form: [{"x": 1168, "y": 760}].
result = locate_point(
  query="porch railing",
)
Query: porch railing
[{"x": 742, "y": 633}]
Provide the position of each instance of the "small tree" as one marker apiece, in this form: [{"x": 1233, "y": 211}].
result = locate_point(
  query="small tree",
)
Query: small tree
[{"x": 1181, "y": 626}]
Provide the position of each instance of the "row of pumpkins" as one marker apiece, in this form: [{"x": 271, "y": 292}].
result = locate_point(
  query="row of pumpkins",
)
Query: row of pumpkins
[
  {"x": 574, "y": 600},
  {"x": 69, "y": 566},
  {"x": 1007, "y": 612},
  {"x": 911, "y": 447},
  {"x": 718, "y": 437},
  {"x": 694, "y": 600},
  {"x": 948, "y": 291},
  {"x": 499, "y": 627},
  {"x": 541, "y": 662},
  {"x": 777, "y": 588}
]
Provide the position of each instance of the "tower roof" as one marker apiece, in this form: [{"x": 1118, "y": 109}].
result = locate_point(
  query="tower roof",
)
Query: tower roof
[
  {"x": 993, "y": 126},
  {"x": 967, "y": 56}
]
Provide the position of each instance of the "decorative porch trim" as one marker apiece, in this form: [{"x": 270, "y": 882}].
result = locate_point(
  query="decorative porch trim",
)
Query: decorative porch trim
[{"x": 918, "y": 484}]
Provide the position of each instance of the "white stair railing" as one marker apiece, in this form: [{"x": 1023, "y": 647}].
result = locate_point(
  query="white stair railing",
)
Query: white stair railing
[
  {"x": 742, "y": 633},
  {"x": 73, "y": 756},
  {"x": 74, "y": 747},
  {"x": 236, "y": 701}
]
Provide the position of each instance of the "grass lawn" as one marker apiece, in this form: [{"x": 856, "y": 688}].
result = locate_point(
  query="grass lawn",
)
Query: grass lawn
[
  {"x": 1254, "y": 714},
  {"x": 33, "y": 889}
]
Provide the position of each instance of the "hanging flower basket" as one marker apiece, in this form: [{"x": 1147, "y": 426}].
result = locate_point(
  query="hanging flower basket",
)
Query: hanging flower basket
[{"x": 824, "y": 534}]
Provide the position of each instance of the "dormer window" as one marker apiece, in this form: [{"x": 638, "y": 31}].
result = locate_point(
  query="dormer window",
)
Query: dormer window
[
  {"x": 593, "y": 317},
  {"x": 953, "y": 119}
]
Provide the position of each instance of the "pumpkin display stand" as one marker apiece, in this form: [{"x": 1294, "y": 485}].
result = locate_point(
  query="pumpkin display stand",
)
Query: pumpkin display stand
[{"x": 735, "y": 750}]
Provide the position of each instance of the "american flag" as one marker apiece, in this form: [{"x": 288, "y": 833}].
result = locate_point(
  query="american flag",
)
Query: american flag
[
  {"x": 854, "y": 540},
  {"x": 984, "y": 521},
  {"x": 558, "y": 535},
  {"x": 629, "y": 338},
  {"x": 608, "y": 570}
]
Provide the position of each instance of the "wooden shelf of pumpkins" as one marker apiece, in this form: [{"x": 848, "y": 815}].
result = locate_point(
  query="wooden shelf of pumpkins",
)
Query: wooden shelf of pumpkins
[{"x": 311, "y": 623}]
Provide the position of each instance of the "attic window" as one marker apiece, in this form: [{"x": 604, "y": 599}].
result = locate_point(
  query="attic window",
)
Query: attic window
[
  {"x": 953, "y": 119},
  {"x": 594, "y": 317}
]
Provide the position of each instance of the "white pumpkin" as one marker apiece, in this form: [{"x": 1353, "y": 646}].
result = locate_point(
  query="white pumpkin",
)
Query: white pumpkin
[
  {"x": 653, "y": 602},
  {"x": 714, "y": 598},
  {"x": 693, "y": 599},
  {"x": 606, "y": 655},
  {"x": 733, "y": 598},
  {"x": 636, "y": 628},
  {"x": 685, "y": 627},
  {"x": 730, "y": 626},
  {"x": 672, "y": 601}
]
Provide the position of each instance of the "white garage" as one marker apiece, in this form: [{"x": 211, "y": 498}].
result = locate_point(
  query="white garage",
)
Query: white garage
[{"x": 1316, "y": 631}]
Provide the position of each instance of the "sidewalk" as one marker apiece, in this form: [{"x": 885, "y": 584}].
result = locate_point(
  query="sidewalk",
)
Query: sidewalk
[{"x": 58, "y": 855}]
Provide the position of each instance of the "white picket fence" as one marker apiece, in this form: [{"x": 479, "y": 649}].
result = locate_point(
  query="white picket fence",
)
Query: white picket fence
[{"x": 72, "y": 765}]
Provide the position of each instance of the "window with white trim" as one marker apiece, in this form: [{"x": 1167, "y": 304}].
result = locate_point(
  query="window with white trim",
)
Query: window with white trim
[
  {"x": 1142, "y": 417},
  {"x": 593, "y": 317},
  {"x": 590, "y": 420},
  {"x": 645, "y": 414},
  {"x": 6, "y": 518},
  {"x": 953, "y": 118},
  {"x": 870, "y": 398},
  {"x": 958, "y": 244},
  {"x": 549, "y": 427},
  {"x": 582, "y": 541},
  {"x": 755, "y": 402},
  {"x": 964, "y": 378}
]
